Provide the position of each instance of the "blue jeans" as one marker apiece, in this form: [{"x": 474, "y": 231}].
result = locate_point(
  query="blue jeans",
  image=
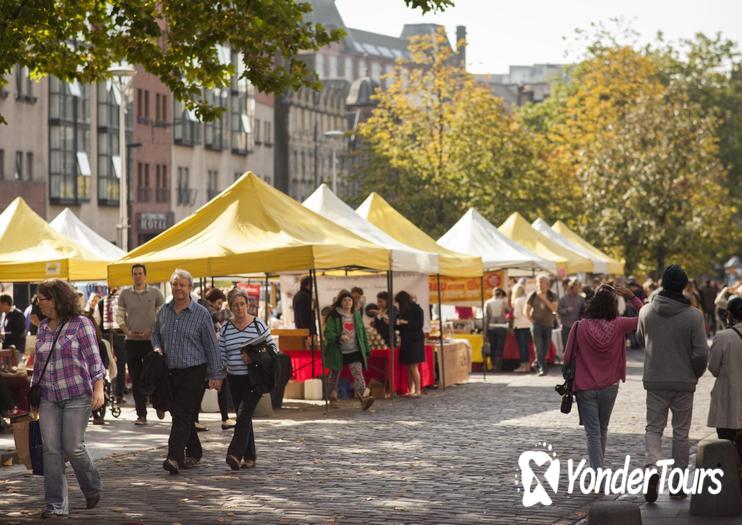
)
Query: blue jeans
[
  {"x": 496, "y": 337},
  {"x": 63, "y": 426},
  {"x": 523, "y": 338},
  {"x": 595, "y": 408},
  {"x": 542, "y": 341}
]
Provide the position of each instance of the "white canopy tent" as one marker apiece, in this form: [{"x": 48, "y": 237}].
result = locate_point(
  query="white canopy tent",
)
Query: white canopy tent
[
  {"x": 599, "y": 265},
  {"x": 403, "y": 258},
  {"x": 475, "y": 235},
  {"x": 67, "y": 223}
]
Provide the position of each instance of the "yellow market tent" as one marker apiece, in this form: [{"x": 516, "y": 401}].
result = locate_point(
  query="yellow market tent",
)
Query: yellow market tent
[
  {"x": 519, "y": 230},
  {"x": 615, "y": 267},
  {"x": 379, "y": 212},
  {"x": 31, "y": 250},
  {"x": 250, "y": 227}
]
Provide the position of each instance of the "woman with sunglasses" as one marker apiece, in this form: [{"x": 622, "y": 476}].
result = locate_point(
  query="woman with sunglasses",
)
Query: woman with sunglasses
[
  {"x": 71, "y": 386},
  {"x": 597, "y": 344}
]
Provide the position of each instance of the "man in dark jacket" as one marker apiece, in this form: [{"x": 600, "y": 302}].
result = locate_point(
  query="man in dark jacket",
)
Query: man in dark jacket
[
  {"x": 14, "y": 328},
  {"x": 302, "y": 304},
  {"x": 675, "y": 357}
]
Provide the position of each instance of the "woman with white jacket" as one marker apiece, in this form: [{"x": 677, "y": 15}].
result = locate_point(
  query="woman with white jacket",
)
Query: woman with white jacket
[{"x": 522, "y": 328}]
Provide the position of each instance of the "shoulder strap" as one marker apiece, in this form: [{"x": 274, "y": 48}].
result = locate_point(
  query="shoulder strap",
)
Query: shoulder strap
[
  {"x": 738, "y": 332},
  {"x": 51, "y": 351}
]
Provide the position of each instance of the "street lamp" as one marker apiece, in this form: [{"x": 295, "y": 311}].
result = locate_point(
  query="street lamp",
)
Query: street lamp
[
  {"x": 121, "y": 77},
  {"x": 334, "y": 134}
]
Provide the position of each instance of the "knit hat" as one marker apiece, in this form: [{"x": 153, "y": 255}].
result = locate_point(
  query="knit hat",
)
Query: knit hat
[
  {"x": 674, "y": 278},
  {"x": 734, "y": 306}
]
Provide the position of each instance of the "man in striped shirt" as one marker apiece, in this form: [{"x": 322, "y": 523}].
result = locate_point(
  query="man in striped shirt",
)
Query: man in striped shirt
[{"x": 184, "y": 333}]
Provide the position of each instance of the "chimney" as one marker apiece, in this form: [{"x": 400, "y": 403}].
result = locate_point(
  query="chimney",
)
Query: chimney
[{"x": 461, "y": 45}]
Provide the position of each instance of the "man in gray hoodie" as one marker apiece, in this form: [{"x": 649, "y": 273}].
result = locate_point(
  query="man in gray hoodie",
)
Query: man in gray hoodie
[{"x": 675, "y": 345}]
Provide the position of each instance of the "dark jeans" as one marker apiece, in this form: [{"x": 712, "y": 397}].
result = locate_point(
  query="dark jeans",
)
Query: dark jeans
[
  {"x": 523, "y": 338},
  {"x": 135, "y": 352},
  {"x": 542, "y": 341},
  {"x": 187, "y": 389},
  {"x": 496, "y": 337},
  {"x": 710, "y": 321},
  {"x": 245, "y": 401},
  {"x": 223, "y": 399}
]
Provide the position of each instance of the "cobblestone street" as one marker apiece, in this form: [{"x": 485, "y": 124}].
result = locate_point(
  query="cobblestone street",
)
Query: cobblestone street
[{"x": 450, "y": 457}]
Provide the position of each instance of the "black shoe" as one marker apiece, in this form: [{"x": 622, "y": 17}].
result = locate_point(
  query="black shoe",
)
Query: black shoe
[
  {"x": 160, "y": 414},
  {"x": 651, "y": 495},
  {"x": 233, "y": 462},
  {"x": 171, "y": 466},
  {"x": 90, "y": 503}
]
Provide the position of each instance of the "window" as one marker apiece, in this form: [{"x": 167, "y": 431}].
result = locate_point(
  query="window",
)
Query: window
[
  {"x": 237, "y": 175},
  {"x": 157, "y": 107},
  {"x": 333, "y": 60},
  {"x": 320, "y": 65},
  {"x": 186, "y": 196},
  {"x": 18, "y": 174},
  {"x": 23, "y": 84},
  {"x": 162, "y": 189},
  {"x": 29, "y": 165},
  {"x": 214, "y": 130},
  {"x": 257, "y": 131},
  {"x": 268, "y": 135},
  {"x": 140, "y": 104},
  {"x": 213, "y": 184},
  {"x": 241, "y": 122},
  {"x": 2, "y": 164},
  {"x": 144, "y": 192},
  {"x": 349, "y": 69},
  {"x": 146, "y": 104},
  {"x": 186, "y": 126},
  {"x": 69, "y": 142},
  {"x": 109, "y": 160}
]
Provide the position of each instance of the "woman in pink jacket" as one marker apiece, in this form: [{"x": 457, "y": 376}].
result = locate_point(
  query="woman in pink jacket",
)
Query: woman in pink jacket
[{"x": 597, "y": 343}]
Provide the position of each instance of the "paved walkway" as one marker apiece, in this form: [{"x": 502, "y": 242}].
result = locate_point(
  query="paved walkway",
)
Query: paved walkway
[{"x": 450, "y": 457}]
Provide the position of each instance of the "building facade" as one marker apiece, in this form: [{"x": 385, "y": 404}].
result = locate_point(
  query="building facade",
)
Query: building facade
[{"x": 524, "y": 84}]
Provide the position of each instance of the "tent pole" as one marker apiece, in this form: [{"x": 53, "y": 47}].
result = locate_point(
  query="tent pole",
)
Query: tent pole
[
  {"x": 266, "y": 299},
  {"x": 440, "y": 321},
  {"x": 392, "y": 341},
  {"x": 212, "y": 281},
  {"x": 484, "y": 328},
  {"x": 326, "y": 395}
]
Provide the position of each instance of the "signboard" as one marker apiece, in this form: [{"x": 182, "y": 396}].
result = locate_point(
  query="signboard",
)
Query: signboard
[
  {"x": 53, "y": 269},
  {"x": 155, "y": 222},
  {"x": 465, "y": 291}
]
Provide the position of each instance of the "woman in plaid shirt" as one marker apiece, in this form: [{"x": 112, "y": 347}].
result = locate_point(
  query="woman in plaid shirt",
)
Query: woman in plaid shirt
[{"x": 71, "y": 387}]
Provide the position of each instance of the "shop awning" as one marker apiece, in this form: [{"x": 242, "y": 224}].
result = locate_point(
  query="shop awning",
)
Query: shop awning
[
  {"x": 403, "y": 258},
  {"x": 519, "y": 230},
  {"x": 613, "y": 266},
  {"x": 475, "y": 235},
  {"x": 31, "y": 250},
  {"x": 377, "y": 211},
  {"x": 67, "y": 223},
  {"x": 250, "y": 227}
]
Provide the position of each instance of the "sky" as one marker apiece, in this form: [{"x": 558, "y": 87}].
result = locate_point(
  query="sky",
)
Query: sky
[{"x": 502, "y": 33}]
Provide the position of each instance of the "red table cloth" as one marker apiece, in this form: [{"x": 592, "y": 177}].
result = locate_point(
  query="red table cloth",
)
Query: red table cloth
[{"x": 378, "y": 367}]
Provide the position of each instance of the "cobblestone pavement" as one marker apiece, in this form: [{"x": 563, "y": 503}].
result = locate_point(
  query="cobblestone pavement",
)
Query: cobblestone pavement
[{"x": 450, "y": 457}]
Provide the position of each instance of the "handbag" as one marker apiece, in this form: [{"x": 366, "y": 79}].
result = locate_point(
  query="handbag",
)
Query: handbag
[
  {"x": 36, "y": 447},
  {"x": 34, "y": 394},
  {"x": 264, "y": 365},
  {"x": 568, "y": 373}
]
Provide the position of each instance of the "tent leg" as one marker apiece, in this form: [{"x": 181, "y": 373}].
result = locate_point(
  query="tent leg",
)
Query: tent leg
[
  {"x": 392, "y": 334},
  {"x": 484, "y": 328},
  {"x": 266, "y": 299},
  {"x": 313, "y": 275},
  {"x": 440, "y": 321}
]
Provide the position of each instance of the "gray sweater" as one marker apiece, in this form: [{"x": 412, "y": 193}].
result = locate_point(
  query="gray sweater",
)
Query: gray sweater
[{"x": 675, "y": 348}]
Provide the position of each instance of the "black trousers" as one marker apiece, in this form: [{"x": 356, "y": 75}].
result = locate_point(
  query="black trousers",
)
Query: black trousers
[
  {"x": 245, "y": 401},
  {"x": 135, "y": 352},
  {"x": 187, "y": 387},
  {"x": 119, "y": 350}
]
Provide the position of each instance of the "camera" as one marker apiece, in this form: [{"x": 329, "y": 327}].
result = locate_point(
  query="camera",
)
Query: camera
[{"x": 563, "y": 389}]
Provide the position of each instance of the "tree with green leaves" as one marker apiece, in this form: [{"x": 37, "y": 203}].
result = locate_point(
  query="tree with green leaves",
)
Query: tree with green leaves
[
  {"x": 176, "y": 40},
  {"x": 438, "y": 142}
]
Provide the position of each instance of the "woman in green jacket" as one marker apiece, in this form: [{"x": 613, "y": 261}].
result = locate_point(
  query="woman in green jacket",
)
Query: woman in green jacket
[{"x": 346, "y": 344}]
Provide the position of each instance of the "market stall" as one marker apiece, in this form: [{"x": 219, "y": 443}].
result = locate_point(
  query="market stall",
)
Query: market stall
[
  {"x": 67, "y": 223},
  {"x": 614, "y": 267},
  {"x": 31, "y": 250},
  {"x": 598, "y": 264}
]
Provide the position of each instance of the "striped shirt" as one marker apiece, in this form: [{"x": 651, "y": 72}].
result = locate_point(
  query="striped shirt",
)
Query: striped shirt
[
  {"x": 231, "y": 340},
  {"x": 75, "y": 365},
  {"x": 188, "y": 338}
]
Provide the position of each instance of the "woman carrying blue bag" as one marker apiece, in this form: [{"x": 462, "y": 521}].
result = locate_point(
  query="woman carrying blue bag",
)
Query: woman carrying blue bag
[{"x": 67, "y": 385}]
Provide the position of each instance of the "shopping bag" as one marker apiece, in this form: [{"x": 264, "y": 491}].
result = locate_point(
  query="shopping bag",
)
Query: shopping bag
[
  {"x": 20, "y": 436},
  {"x": 35, "y": 448}
]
